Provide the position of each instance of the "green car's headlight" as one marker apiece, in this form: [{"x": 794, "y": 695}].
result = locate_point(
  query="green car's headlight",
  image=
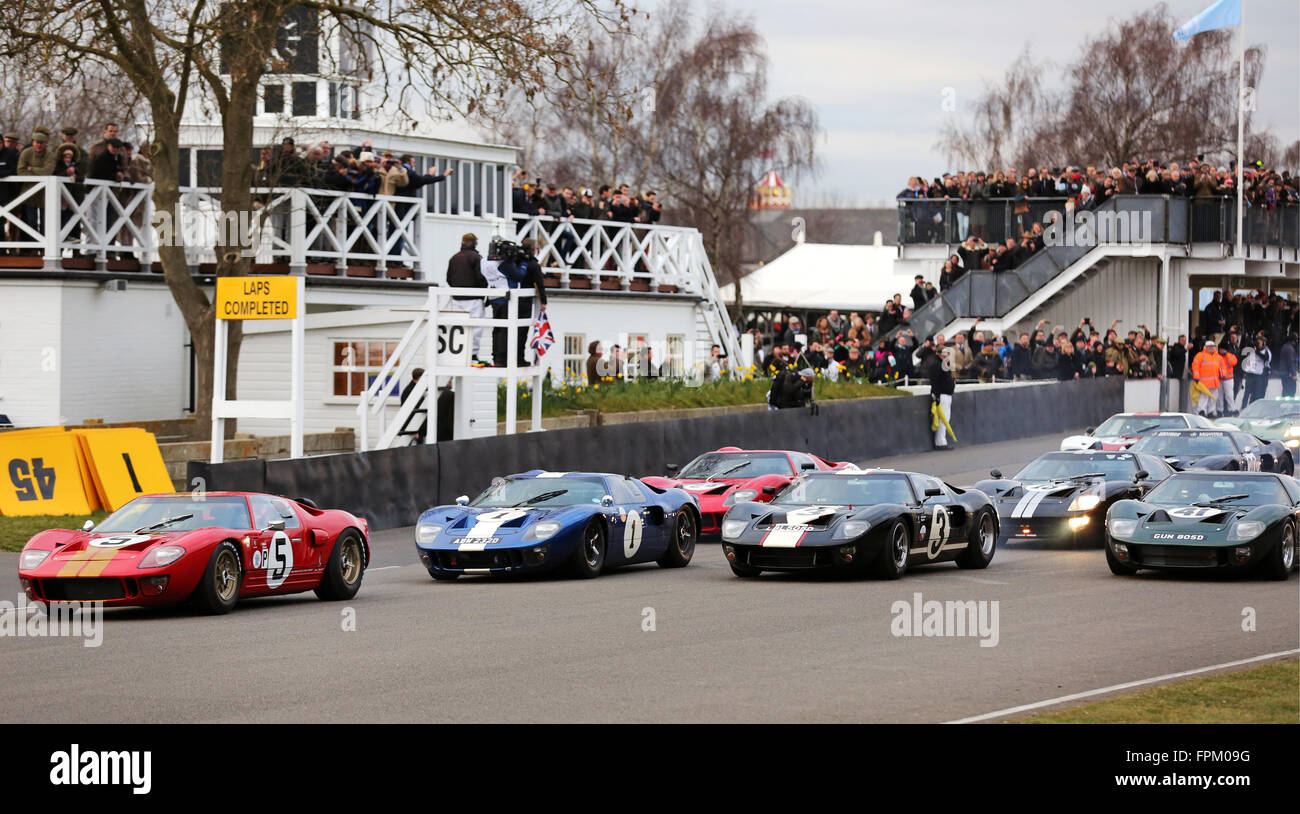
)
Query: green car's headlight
[
  {"x": 1246, "y": 530},
  {"x": 1123, "y": 528}
]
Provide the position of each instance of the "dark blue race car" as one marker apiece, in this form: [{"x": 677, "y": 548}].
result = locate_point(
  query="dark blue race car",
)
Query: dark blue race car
[{"x": 582, "y": 522}]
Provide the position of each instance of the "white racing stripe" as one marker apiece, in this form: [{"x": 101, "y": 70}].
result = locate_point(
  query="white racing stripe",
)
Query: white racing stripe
[
  {"x": 1032, "y": 497},
  {"x": 1064, "y": 699},
  {"x": 791, "y": 533},
  {"x": 485, "y": 528}
]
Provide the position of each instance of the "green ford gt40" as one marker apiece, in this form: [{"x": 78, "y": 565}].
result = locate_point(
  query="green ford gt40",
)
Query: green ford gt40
[{"x": 1208, "y": 520}]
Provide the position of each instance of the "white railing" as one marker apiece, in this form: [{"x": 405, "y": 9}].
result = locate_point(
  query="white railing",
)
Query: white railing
[
  {"x": 638, "y": 257},
  {"x": 419, "y": 347},
  {"x": 54, "y": 218},
  {"x": 302, "y": 227}
]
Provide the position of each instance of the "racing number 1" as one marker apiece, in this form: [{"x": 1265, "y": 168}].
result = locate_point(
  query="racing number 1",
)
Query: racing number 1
[{"x": 29, "y": 478}]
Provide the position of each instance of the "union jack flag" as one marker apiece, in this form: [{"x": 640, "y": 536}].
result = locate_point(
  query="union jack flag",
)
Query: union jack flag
[{"x": 541, "y": 337}]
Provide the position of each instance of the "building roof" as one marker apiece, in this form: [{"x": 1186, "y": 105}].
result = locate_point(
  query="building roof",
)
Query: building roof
[
  {"x": 771, "y": 231},
  {"x": 822, "y": 275}
]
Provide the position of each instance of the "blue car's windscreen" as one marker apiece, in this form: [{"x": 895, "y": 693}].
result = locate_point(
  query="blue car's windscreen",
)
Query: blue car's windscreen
[
  {"x": 1186, "y": 443},
  {"x": 169, "y": 514},
  {"x": 1137, "y": 425},
  {"x": 1114, "y": 466},
  {"x": 1188, "y": 488},
  {"x": 847, "y": 490},
  {"x": 737, "y": 465},
  {"x": 1272, "y": 409},
  {"x": 541, "y": 492}
]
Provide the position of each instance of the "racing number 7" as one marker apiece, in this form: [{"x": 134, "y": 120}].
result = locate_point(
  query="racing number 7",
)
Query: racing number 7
[{"x": 29, "y": 478}]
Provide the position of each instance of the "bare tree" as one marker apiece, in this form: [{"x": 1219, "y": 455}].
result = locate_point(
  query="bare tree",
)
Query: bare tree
[
  {"x": 30, "y": 97},
  {"x": 453, "y": 54},
  {"x": 684, "y": 110},
  {"x": 1132, "y": 91}
]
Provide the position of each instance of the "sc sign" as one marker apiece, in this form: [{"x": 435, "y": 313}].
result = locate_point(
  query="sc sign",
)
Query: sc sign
[{"x": 453, "y": 339}]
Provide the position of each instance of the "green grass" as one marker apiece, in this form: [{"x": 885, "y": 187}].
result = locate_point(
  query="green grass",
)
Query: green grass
[
  {"x": 663, "y": 394},
  {"x": 1260, "y": 695},
  {"x": 16, "y": 531}
]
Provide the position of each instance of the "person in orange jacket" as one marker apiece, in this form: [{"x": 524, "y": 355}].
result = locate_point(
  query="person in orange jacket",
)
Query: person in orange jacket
[
  {"x": 1207, "y": 370},
  {"x": 1227, "y": 388}
]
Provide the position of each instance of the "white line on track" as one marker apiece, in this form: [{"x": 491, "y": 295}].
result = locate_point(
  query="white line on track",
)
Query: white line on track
[
  {"x": 385, "y": 568},
  {"x": 1116, "y": 687}
]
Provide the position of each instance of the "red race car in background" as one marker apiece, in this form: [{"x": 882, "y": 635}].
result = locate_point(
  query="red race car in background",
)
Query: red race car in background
[
  {"x": 727, "y": 476},
  {"x": 211, "y": 548}
]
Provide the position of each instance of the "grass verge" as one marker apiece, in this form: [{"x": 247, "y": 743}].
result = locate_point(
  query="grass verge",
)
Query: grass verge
[
  {"x": 1260, "y": 695},
  {"x": 16, "y": 531},
  {"x": 663, "y": 394}
]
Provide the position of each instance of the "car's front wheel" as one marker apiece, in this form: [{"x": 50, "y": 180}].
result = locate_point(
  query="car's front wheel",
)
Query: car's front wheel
[
  {"x": 218, "y": 590},
  {"x": 344, "y": 569},
  {"x": 1282, "y": 558},
  {"x": 589, "y": 558},
  {"x": 1117, "y": 566},
  {"x": 983, "y": 542},
  {"x": 682, "y": 546},
  {"x": 892, "y": 562}
]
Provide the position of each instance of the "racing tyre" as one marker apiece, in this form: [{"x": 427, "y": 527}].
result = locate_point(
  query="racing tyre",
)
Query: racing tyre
[
  {"x": 590, "y": 555},
  {"x": 1119, "y": 569},
  {"x": 983, "y": 542},
  {"x": 682, "y": 547},
  {"x": 1282, "y": 558},
  {"x": 892, "y": 562},
  {"x": 218, "y": 589},
  {"x": 343, "y": 571}
]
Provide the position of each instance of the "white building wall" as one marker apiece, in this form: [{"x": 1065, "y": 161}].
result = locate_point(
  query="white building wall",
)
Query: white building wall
[
  {"x": 1124, "y": 289},
  {"x": 264, "y": 356},
  {"x": 31, "y": 352},
  {"x": 124, "y": 356}
]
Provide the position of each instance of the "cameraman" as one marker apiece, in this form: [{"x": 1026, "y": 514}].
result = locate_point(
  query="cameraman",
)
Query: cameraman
[
  {"x": 792, "y": 390},
  {"x": 531, "y": 277},
  {"x": 465, "y": 270},
  {"x": 500, "y": 270}
]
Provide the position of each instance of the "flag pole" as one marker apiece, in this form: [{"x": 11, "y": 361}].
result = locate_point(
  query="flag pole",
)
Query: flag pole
[{"x": 1241, "y": 126}]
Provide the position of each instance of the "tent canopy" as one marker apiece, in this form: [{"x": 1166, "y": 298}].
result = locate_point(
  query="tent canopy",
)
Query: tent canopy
[{"x": 823, "y": 275}]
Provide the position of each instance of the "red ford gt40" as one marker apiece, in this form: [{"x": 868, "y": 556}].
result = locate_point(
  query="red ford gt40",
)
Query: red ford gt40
[
  {"x": 212, "y": 548},
  {"x": 731, "y": 475}
]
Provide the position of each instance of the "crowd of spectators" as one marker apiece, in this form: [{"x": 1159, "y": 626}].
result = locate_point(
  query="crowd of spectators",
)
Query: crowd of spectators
[
  {"x": 364, "y": 169},
  {"x": 619, "y": 204},
  {"x": 1072, "y": 188},
  {"x": 39, "y": 155},
  {"x": 859, "y": 345}
]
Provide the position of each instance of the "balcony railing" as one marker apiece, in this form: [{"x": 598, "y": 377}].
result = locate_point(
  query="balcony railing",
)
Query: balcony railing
[
  {"x": 944, "y": 221},
  {"x": 45, "y": 219}
]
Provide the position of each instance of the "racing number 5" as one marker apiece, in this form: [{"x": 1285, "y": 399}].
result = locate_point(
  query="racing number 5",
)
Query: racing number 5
[{"x": 29, "y": 478}]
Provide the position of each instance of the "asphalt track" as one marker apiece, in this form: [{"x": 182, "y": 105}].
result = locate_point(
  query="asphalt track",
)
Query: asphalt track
[{"x": 779, "y": 648}]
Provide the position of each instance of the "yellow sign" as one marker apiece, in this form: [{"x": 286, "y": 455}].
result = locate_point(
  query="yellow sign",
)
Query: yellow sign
[
  {"x": 257, "y": 297},
  {"x": 42, "y": 474},
  {"x": 124, "y": 464}
]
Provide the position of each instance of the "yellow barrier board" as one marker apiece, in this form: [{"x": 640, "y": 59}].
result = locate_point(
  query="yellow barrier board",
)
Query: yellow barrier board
[
  {"x": 124, "y": 464},
  {"x": 257, "y": 297},
  {"x": 43, "y": 473}
]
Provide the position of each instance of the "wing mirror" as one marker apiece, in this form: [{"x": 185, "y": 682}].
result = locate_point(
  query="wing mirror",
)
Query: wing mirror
[
  {"x": 88, "y": 525},
  {"x": 808, "y": 466},
  {"x": 769, "y": 490},
  {"x": 275, "y": 525},
  {"x": 933, "y": 492},
  {"x": 607, "y": 501},
  {"x": 996, "y": 473},
  {"x": 463, "y": 500},
  {"x": 1141, "y": 475}
]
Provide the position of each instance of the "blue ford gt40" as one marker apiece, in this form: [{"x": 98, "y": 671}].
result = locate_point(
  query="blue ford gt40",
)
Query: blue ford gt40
[{"x": 581, "y": 522}]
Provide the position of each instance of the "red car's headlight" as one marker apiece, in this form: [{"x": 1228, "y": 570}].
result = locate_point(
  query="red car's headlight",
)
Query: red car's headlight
[
  {"x": 31, "y": 558},
  {"x": 162, "y": 555}
]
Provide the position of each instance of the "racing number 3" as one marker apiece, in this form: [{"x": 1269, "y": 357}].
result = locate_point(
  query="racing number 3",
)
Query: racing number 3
[{"x": 30, "y": 478}]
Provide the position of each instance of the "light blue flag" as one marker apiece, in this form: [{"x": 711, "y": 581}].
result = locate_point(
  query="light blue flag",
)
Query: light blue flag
[{"x": 1220, "y": 15}]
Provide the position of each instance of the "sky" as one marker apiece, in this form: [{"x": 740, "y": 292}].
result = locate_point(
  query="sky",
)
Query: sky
[{"x": 876, "y": 72}]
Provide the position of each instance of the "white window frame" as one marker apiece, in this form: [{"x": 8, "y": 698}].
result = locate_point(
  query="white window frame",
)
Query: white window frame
[{"x": 349, "y": 368}]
